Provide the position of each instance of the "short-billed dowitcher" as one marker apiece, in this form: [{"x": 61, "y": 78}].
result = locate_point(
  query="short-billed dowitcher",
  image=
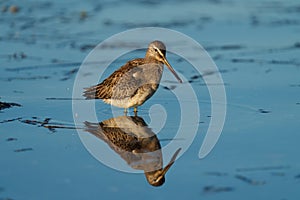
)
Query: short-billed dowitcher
[
  {"x": 135, "y": 82},
  {"x": 134, "y": 141}
]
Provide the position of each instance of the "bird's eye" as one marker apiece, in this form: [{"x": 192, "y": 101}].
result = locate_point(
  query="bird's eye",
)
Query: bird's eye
[{"x": 155, "y": 50}]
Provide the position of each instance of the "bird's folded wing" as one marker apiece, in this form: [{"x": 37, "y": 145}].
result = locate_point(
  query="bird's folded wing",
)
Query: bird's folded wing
[{"x": 122, "y": 84}]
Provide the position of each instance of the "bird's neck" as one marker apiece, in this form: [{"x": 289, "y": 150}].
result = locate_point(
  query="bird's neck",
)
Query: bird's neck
[{"x": 152, "y": 59}]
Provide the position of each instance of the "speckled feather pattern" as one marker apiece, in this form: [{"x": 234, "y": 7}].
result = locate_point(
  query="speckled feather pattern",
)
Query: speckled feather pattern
[
  {"x": 135, "y": 82},
  {"x": 129, "y": 86},
  {"x": 129, "y": 137}
]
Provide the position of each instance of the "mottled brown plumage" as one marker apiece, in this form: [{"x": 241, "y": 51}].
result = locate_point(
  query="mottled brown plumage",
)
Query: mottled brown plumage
[
  {"x": 135, "y": 82},
  {"x": 130, "y": 137}
]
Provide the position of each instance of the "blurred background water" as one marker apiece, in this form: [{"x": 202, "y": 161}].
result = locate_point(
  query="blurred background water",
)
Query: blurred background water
[{"x": 255, "y": 44}]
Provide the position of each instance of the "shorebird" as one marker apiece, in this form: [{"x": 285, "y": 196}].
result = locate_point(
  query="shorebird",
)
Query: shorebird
[
  {"x": 134, "y": 141},
  {"x": 135, "y": 82}
]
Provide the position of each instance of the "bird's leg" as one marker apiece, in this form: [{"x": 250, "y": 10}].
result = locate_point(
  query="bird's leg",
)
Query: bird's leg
[
  {"x": 125, "y": 111},
  {"x": 135, "y": 111}
]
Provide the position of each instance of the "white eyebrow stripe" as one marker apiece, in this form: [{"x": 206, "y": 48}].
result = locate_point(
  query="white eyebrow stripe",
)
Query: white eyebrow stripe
[{"x": 161, "y": 54}]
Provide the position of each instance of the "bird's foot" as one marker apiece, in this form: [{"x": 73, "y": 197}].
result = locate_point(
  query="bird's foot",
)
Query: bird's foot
[
  {"x": 135, "y": 111},
  {"x": 125, "y": 111}
]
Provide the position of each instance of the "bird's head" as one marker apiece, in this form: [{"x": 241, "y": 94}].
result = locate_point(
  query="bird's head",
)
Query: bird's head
[
  {"x": 157, "y": 50},
  {"x": 157, "y": 177}
]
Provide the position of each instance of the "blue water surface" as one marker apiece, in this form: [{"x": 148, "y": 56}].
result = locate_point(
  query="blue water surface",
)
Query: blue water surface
[{"x": 255, "y": 45}]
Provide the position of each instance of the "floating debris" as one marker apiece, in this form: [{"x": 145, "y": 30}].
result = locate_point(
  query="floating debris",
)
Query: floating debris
[
  {"x": 27, "y": 78},
  {"x": 250, "y": 181},
  {"x": 216, "y": 173},
  {"x": 284, "y": 62},
  {"x": 169, "y": 24},
  {"x": 231, "y": 47},
  {"x": 268, "y": 71},
  {"x": 11, "y": 139},
  {"x": 284, "y": 22},
  {"x": 297, "y": 45},
  {"x": 15, "y": 56},
  {"x": 19, "y": 56},
  {"x": 172, "y": 87},
  {"x": 213, "y": 189},
  {"x": 68, "y": 75},
  {"x": 242, "y": 60},
  {"x": 278, "y": 174},
  {"x": 273, "y": 62},
  {"x": 10, "y": 120},
  {"x": 209, "y": 73},
  {"x": 195, "y": 77},
  {"x": 18, "y": 92},
  {"x": 14, "y": 9},
  {"x": 225, "y": 47},
  {"x": 179, "y": 60},
  {"x": 108, "y": 22},
  {"x": 83, "y": 15},
  {"x": 4, "y": 9},
  {"x": 294, "y": 85},
  {"x": 267, "y": 168},
  {"x": 254, "y": 20},
  {"x": 23, "y": 150},
  {"x": 263, "y": 111},
  {"x": 64, "y": 98},
  {"x": 4, "y": 105},
  {"x": 46, "y": 124},
  {"x": 86, "y": 47},
  {"x": 6, "y": 198},
  {"x": 52, "y": 65}
]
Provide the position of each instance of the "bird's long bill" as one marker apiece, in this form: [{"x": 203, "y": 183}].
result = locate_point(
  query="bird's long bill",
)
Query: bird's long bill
[
  {"x": 172, "y": 70},
  {"x": 171, "y": 162}
]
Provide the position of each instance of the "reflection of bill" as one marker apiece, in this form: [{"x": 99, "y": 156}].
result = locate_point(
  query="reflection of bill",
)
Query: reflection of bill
[{"x": 130, "y": 137}]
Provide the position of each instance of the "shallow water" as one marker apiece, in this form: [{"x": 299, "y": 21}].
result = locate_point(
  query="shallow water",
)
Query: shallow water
[{"x": 254, "y": 44}]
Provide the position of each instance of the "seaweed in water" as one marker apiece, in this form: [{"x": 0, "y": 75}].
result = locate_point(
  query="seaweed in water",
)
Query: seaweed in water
[
  {"x": 294, "y": 85},
  {"x": 51, "y": 126},
  {"x": 11, "y": 139},
  {"x": 23, "y": 150},
  {"x": 225, "y": 47},
  {"x": 68, "y": 75},
  {"x": 10, "y": 120},
  {"x": 213, "y": 189},
  {"x": 172, "y": 87},
  {"x": 27, "y": 78},
  {"x": 278, "y": 174},
  {"x": 249, "y": 181},
  {"x": 263, "y": 111},
  {"x": 86, "y": 47},
  {"x": 216, "y": 173},
  {"x": 263, "y": 168},
  {"x": 4, "y": 105},
  {"x": 195, "y": 77}
]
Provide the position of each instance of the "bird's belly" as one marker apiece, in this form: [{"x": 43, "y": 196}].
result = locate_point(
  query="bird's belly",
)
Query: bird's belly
[{"x": 142, "y": 94}]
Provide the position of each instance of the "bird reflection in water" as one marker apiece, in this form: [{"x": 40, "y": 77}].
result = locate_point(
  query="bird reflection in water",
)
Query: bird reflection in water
[{"x": 134, "y": 141}]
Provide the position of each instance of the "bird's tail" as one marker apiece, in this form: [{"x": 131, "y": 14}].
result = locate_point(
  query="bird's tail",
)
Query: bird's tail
[{"x": 90, "y": 93}]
